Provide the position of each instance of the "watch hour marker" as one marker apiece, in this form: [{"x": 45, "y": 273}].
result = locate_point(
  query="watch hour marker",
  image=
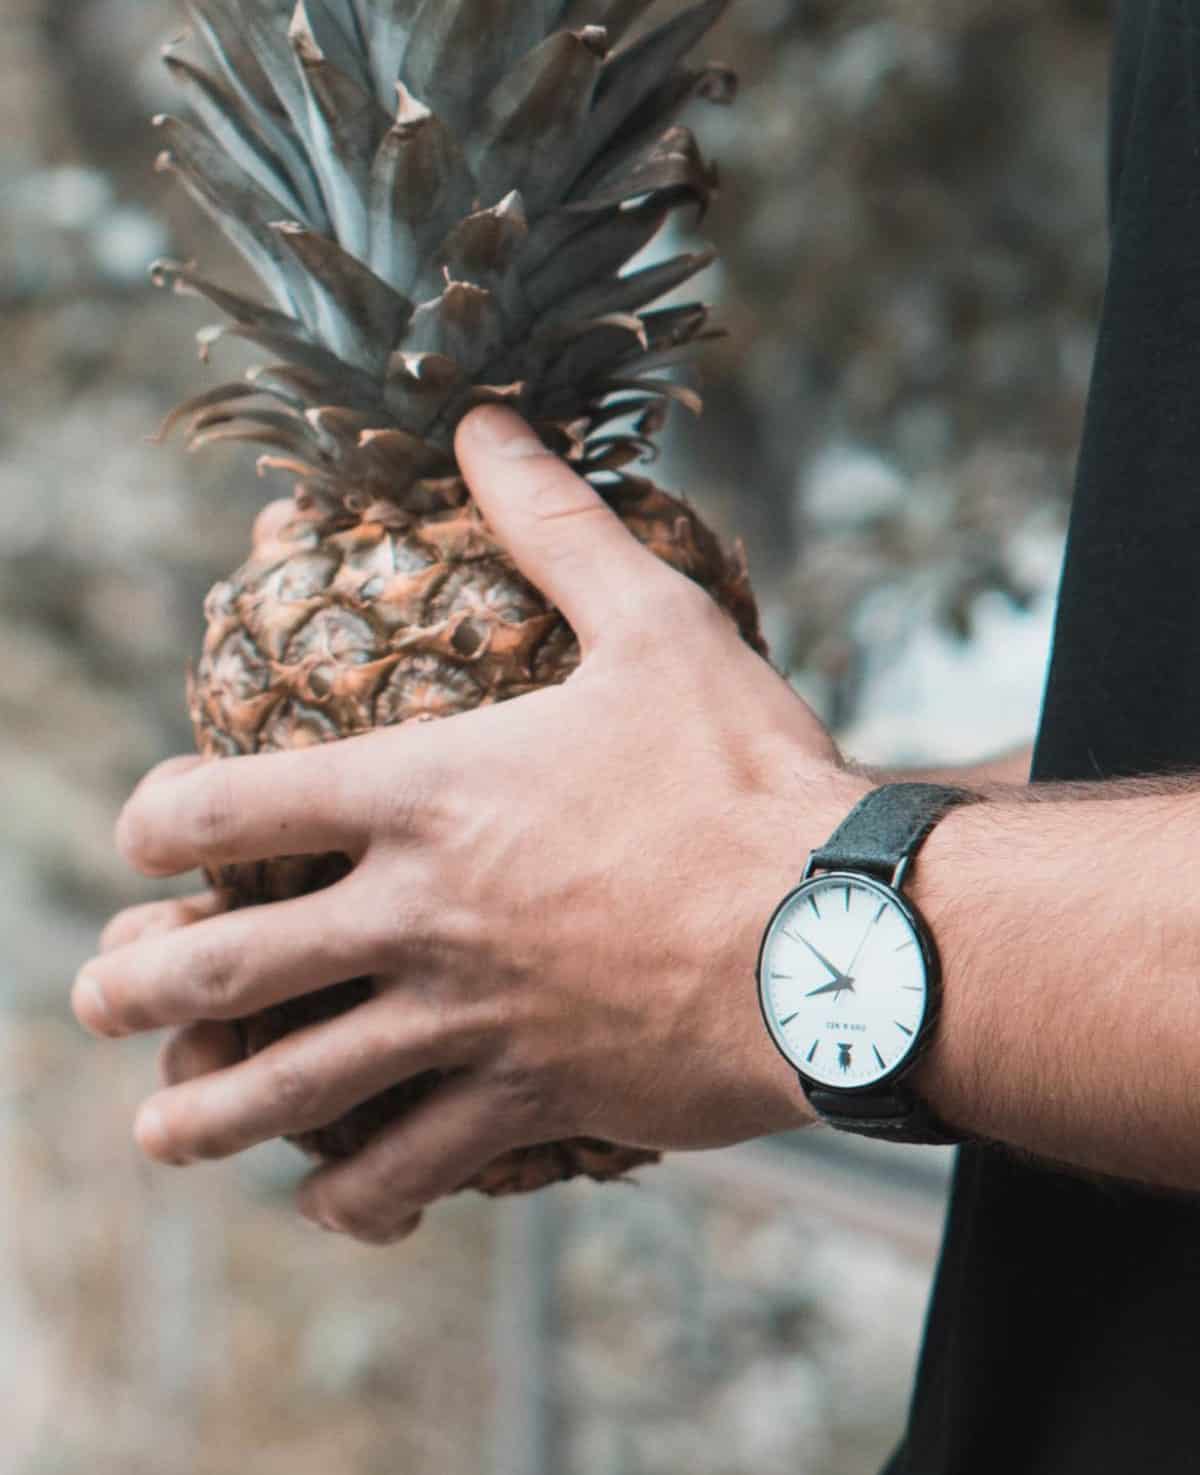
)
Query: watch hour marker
[
  {"x": 913, "y": 988},
  {"x": 782, "y": 977},
  {"x": 879, "y": 1057},
  {"x": 783, "y": 1023},
  {"x": 812, "y": 901},
  {"x": 847, "y": 898},
  {"x": 812, "y": 1052},
  {"x": 903, "y": 945},
  {"x": 880, "y": 912},
  {"x": 904, "y": 1027}
]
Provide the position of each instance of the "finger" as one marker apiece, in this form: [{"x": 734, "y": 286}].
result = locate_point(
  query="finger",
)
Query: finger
[
  {"x": 307, "y": 1080},
  {"x": 198, "y": 1050},
  {"x": 435, "y": 1148},
  {"x": 155, "y": 917},
  {"x": 559, "y": 531},
  {"x": 240, "y": 809},
  {"x": 231, "y": 965}
]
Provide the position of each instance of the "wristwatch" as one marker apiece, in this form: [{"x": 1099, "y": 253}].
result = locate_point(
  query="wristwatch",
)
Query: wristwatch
[{"x": 848, "y": 974}]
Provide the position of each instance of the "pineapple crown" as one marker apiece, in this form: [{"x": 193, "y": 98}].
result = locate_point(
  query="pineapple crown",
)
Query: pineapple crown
[{"x": 440, "y": 197}]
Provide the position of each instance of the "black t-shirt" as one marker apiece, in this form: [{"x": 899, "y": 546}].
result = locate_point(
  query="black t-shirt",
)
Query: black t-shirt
[{"x": 1064, "y": 1334}]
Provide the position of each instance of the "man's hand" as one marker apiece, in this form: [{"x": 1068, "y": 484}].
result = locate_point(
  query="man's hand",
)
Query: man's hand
[{"x": 560, "y": 898}]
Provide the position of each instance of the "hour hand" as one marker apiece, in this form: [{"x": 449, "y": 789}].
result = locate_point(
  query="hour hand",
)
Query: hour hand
[{"x": 836, "y": 987}]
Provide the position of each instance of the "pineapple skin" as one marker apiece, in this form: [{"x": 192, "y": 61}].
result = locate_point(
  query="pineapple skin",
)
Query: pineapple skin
[{"x": 337, "y": 626}]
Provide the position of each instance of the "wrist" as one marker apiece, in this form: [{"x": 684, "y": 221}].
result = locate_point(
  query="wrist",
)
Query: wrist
[
  {"x": 949, "y": 889},
  {"x": 808, "y": 805}
]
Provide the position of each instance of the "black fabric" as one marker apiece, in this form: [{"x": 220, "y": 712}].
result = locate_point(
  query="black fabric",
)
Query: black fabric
[
  {"x": 886, "y": 826},
  {"x": 1064, "y": 1334}
]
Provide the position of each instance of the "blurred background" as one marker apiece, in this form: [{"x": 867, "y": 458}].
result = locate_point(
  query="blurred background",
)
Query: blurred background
[{"x": 912, "y": 228}]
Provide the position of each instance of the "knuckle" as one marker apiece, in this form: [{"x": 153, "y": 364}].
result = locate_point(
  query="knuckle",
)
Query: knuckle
[
  {"x": 683, "y": 604},
  {"x": 205, "y": 810},
  {"x": 291, "y": 1091},
  {"x": 216, "y": 981},
  {"x": 663, "y": 606},
  {"x": 554, "y": 492},
  {"x": 409, "y": 922},
  {"x": 524, "y": 1093}
]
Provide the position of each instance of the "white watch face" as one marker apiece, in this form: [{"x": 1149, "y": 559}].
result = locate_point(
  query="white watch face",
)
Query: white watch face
[{"x": 843, "y": 981}]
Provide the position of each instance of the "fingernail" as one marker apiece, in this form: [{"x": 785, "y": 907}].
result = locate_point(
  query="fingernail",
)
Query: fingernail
[
  {"x": 93, "y": 1005},
  {"x": 504, "y": 433}
]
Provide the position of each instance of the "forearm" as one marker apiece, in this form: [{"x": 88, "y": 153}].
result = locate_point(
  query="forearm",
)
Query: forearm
[{"x": 1069, "y": 926}]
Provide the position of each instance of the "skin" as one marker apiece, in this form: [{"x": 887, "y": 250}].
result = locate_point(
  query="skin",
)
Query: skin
[{"x": 562, "y": 898}]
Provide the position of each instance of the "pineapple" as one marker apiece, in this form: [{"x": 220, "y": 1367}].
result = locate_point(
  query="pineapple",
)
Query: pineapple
[{"x": 439, "y": 198}]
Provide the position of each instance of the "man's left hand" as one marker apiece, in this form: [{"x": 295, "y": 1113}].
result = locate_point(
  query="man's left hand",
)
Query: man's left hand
[{"x": 559, "y": 898}]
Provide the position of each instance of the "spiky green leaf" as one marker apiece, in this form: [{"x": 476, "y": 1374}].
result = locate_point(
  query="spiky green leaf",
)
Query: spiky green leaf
[
  {"x": 222, "y": 115},
  {"x": 362, "y": 317},
  {"x": 628, "y": 293},
  {"x": 347, "y": 125},
  {"x": 459, "y": 50},
  {"x": 593, "y": 251},
  {"x": 637, "y": 70},
  {"x": 485, "y": 249},
  {"x": 420, "y": 186},
  {"x": 332, "y": 29},
  {"x": 218, "y": 24},
  {"x": 671, "y": 162},
  {"x": 531, "y": 126},
  {"x": 185, "y": 282},
  {"x": 463, "y": 325},
  {"x": 243, "y": 210},
  {"x": 616, "y": 16}
]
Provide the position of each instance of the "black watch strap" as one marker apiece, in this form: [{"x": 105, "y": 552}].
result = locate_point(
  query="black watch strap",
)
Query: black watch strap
[
  {"x": 892, "y": 1115},
  {"x": 887, "y": 828},
  {"x": 880, "y": 836}
]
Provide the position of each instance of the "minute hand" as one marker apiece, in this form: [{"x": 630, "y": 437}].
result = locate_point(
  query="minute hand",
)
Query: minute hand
[
  {"x": 866, "y": 935},
  {"x": 842, "y": 979}
]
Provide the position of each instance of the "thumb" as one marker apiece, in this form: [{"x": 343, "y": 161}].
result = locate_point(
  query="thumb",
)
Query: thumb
[{"x": 560, "y": 533}]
